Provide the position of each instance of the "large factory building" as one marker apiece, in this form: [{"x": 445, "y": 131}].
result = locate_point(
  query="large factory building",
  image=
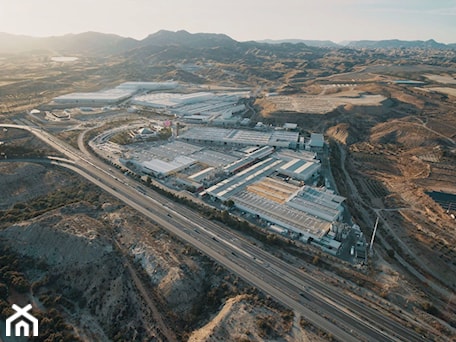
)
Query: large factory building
[
  {"x": 96, "y": 99},
  {"x": 112, "y": 96},
  {"x": 237, "y": 137}
]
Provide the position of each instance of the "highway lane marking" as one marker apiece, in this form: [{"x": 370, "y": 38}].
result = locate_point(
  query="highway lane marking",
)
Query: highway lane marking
[
  {"x": 361, "y": 320},
  {"x": 211, "y": 234},
  {"x": 147, "y": 211}
]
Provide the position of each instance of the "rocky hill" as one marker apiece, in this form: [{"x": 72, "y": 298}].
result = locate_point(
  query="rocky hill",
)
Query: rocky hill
[
  {"x": 396, "y": 44},
  {"x": 315, "y": 43},
  {"x": 95, "y": 43},
  {"x": 199, "y": 58},
  {"x": 112, "y": 274},
  {"x": 84, "y": 275},
  {"x": 83, "y": 43}
]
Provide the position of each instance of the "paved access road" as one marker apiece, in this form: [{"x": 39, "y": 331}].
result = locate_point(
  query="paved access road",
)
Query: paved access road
[{"x": 318, "y": 302}]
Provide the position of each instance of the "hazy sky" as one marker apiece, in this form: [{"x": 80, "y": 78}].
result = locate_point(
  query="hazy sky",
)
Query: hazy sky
[{"x": 335, "y": 20}]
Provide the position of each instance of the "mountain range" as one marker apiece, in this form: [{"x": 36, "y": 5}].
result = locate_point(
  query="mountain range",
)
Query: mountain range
[
  {"x": 314, "y": 43},
  {"x": 368, "y": 44},
  {"x": 110, "y": 44}
]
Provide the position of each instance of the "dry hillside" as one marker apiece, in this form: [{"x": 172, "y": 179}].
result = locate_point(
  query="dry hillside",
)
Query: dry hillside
[{"x": 110, "y": 273}]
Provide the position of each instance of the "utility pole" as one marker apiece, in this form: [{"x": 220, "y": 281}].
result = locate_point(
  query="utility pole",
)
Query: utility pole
[{"x": 373, "y": 236}]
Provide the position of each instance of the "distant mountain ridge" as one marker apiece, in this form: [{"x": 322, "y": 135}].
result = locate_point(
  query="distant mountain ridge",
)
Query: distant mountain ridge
[
  {"x": 88, "y": 42},
  {"x": 182, "y": 37},
  {"x": 367, "y": 44},
  {"x": 314, "y": 43},
  {"x": 94, "y": 43},
  {"x": 397, "y": 44}
]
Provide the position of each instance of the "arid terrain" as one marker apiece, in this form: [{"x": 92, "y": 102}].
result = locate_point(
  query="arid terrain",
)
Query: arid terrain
[
  {"x": 385, "y": 160},
  {"x": 114, "y": 276},
  {"x": 95, "y": 269}
]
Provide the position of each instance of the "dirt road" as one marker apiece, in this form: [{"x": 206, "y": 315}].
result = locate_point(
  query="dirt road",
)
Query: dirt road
[
  {"x": 357, "y": 198},
  {"x": 167, "y": 333}
]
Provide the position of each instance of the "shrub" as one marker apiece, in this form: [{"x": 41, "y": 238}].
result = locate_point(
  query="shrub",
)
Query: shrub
[{"x": 3, "y": 291}]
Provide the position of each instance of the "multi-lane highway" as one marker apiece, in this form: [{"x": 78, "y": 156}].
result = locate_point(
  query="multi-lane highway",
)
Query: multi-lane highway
[{"x": 321, "y": 303}]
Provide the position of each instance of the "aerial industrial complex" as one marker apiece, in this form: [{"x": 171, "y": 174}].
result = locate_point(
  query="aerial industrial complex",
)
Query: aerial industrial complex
[
  {"x": 271, "y": 181},
  {"x": 168, "y": 98},
  {"x": 269, "y": 174},
  {"x": 235, "y": 137},
  {"x": 275, "y": 184},
  {"x": 112, "y": 96}
]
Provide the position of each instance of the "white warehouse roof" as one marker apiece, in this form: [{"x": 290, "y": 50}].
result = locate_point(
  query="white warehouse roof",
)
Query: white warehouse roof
[
  {"x": 319, "y": 202},
  {"x": 163, "y": 168},
  {"x": 105, "y": 96},
  {"x": 241, "y": 137},
  {"x": 160, "y": 100},
  {"x": 230, "y": 186},
  {"x": 283, "y": 215},
  {"x": 289, "y": 125},
  {"x": 300, "y": 169},
  {"x": 316, "y": 140}
]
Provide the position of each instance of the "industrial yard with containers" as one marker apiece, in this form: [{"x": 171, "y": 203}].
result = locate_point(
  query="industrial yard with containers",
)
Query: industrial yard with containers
[{"x": 270, "y": 175}]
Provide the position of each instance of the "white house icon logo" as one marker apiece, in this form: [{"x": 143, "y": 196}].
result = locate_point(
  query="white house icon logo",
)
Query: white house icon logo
[{"x": 22, "y": 325}]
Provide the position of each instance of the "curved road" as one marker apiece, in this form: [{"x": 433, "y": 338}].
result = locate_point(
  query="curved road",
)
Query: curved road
[{"x": 322, "y": 304}]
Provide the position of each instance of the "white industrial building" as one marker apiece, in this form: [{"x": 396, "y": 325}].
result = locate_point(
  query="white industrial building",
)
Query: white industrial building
[
  {"x": 169, "y": 100},
  {"x": 160, "y": 168},
  {"x": 300, "y": 169},
  {"x": 303, "y": 210},
  {"x": 290, "y": 126},
  {"x": 112, "y": 96},
  {"x": 200, "y": 107},
  {"x": 295, "y": 220},
  {"x": 320, "y": 203},
  {"x": 95, "y": 99},
  {"x": 255, "y": 178},
  {"x": 307, "y": 211},
  {"x": 316, "y": 142},
  {"x": 173, "y": 151},
  {"x": 203, "y": 175},
  {"x": 237, "y": 137},
  {"x": 289, "y": 155},
  {"x": 227, "y": 188},
  {"x": 252, "y": 154}
]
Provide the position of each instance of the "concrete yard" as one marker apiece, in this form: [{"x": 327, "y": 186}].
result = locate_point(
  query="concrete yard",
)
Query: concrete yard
[{"x": 323, "y": 104}]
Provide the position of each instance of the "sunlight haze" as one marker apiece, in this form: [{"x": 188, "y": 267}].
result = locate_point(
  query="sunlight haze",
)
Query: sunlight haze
[{"x": 335, "y": 20}]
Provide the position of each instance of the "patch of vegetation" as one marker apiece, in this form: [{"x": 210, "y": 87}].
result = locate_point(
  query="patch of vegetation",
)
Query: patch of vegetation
[
  {"x": 430, "y": 309},
  {"x": 70, "y": 137},
  {"x": 71, "y": 194},
  {"x": 23, "y": 144},
  {"x": 306, "y": 325},
  {"x": 266, "y": 326},
  {"x": 121, "y": 138},
  {"x": 124, "y": 138},
  {"x": 22, "y": 151},
  {"x": 13, "y": 278},
  {"x": 54, "y": 328}
]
